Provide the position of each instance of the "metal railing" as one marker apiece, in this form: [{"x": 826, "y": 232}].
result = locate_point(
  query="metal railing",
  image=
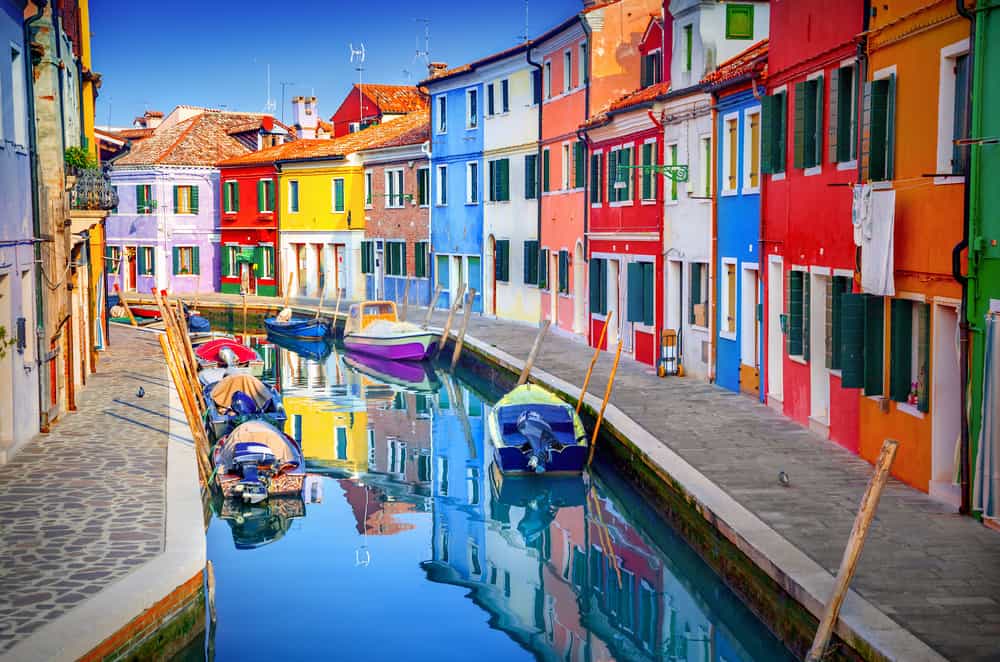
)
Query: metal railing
[{"x": 92, "y": 190}]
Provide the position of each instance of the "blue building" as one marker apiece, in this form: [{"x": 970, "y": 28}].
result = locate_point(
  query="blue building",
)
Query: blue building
[
  {"x": 457, "y": 181},
  {"x": 19, "y": 374},
  {"x": 739, "y": 354}
]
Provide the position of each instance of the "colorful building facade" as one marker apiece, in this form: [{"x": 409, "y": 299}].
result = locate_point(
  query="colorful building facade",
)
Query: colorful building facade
[
  {"x": 370, "y": 103},
  {"x": 248, "y": 229}
]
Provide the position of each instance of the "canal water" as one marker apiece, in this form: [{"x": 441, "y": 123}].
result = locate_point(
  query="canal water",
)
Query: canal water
[{"x": 407, "y": 545}]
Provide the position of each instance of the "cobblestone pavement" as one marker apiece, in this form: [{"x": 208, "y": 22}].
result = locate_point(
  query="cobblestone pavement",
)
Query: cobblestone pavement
[{"x": 84, "y": 505}]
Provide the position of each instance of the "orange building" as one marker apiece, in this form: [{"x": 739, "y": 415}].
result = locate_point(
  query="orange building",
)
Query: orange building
[{"x": 917, "y": 61}]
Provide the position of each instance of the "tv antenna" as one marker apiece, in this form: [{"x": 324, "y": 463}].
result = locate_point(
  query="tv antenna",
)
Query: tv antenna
[
  {"x": 524, "y": 36},
  {"x": 424, "y": 54},
  {"x": 269, "y": 103},
  {"x": 358, "y": 56},
  {"x": 284, "y": 84}
]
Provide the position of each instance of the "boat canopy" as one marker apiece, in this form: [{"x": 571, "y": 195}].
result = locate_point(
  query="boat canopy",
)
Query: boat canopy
[
  {"x": 361, "y": 315},
  {"x": 259, "y": 433},
  {"x": 222, "y": 392}
]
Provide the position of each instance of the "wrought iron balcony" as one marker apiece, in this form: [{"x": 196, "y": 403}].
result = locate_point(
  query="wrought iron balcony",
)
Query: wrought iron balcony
[{"x": 92, "y": 190}]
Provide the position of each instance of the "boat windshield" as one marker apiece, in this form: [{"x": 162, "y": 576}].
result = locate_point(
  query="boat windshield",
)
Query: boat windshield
[{"x": 361, "y": 315}]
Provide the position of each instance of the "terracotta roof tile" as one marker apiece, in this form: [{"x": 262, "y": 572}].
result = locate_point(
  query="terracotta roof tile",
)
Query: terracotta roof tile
[
  {"x": 623, "y": 103},
  {"x": 200, "y": 140},
  {"x": 454, "y": 71},
  {"x": 394, "y": 99},
  {"x": 752, "y": 61},
  {"x": 135, "y": 134}
]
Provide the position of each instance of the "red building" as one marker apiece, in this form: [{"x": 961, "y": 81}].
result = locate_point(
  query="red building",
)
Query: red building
[
  {"x": 626, "y": 211},
  {"x": 249, "y": 229},
  {"x": 368, "y": 104},
  {"x": 809, "y": 154}
]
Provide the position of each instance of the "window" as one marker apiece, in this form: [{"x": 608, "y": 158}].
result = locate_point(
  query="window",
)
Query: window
[
  {"x": 598, "y": 286},
  {"x": 649, "y": 171},
  {"x": 774, "y": 109},
  {"x": 501, "y": 261},
  {"x": 567, "y": 71},
  {"x": 367, "y": 257},
  {"x": 338, "y": 194},
  {"x": 751, "y": 152},
  {"x": 395, "y": 258},
  {"x": 266, "y": 261},
  {"x": 688, "y": 46},
  {"x": 960, "y": 124},
  {"x": 651, "y": 69},
  {"x": 730, "y": 151},
  {"x": 705, "y": 167},
  {"x": 797, "y": 314},
  {"x": 579, "y": 164},
  {"x": 423, "y": 187},
  {"x": 146, "y": 261},
  {"x": 442, "y": 185},
  {"x": 698, "y": 304},
  {"x": 909, "y": 357},
  {"x": 420, "y": 259},
  {"x": 293, "y": 193},
  {"x": 564, "y": 272},
  {"x": 18, "y": 96},
  {"x": 641, "y": 296},
  {"x": 727, "y": 324},
  {"x": 838, "y": 287},
  {"x": 545, "y": 170},
  {"x": 490, "y": 102},
  {"x": 952, "y": 117},
  {"x": 114, "y": 259},
  {"x": 144, "y": 202},
  {"x": 231, "y": 197},
  {"x": 368, "y": 191},
  {"x": 472, "y": 183},
  {"x": 499, "y": 175},
  {"x": 185, "y": 199},
  {"x": 809, "y": 123},
  {"x": 394, "y": 188},
  {"x": 471, "y": 108},
  {"x": 620, "y": 175},
  {"x": 596, "y": 175},
  {"x": 186, "y": 262},
  {"x": 543, "y": 269},
  {"x": 530, "y": 176},
  {"x": 862, "y": 323},
  {"x": 441, "y": 273},
  {"x": 582, "y": 64},
  {"x": 531, "y": 262},
  {"x": 548, "y": 79},
  {"x": 265, "y": 196},
  {"x": 536, "y": 86},
  {"x": 879, "y": 131},
  {"x": 739, "y": 21},
  {"x": 230, "y": 257},
  {"x": 442, "y": 114},
  {"x": 565, "y": 166},
  {"x": 843, "y": 128}
]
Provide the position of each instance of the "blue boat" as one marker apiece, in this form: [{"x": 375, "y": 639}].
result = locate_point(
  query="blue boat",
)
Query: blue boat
[
  {"x": 198, "y": 324},
  {"x": 298, "y": 328},
  {"x": 238, "y": 398},
  {"x": 314, "y": 350},
  {"x": 535, "y": 432}
]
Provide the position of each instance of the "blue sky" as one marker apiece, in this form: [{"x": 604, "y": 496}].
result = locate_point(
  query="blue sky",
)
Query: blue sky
[{"x": 159, "y": 54}]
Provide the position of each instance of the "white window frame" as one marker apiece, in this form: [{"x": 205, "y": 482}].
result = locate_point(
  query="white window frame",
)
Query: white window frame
[
  {"x": 668, "y": 198},
  {"x": 490, "y": 98},
  {"x": 727, "y": 156},
  {"x": 603, "y": 181},
  {"x": 567, "y": 70},
  {"x": 656, "y": 175},
  {"x": 565, "y": 155},
  {"x": 190, "y": 274},
  {"x": 469, "y": 167},
  {"x": 232, "y": 200},
  {"x": 946, "y": 109},
  {"x": 747, "y": 188},
  {"x": 471, "y": 119},
  {"x": 441, "y": 104},
  {"x": 705, "y": 168},
  {"x": 427, "y": 187},
  {"x": 851, "y": 163},
  {"x": 581, "y": 64},
  {"x": 724, "y": 295},
  {"x": 149, "y": 262},
  {"x": 818, "y": 168},
  {"x": 369, "y": 190},
  {"x": 333, "y": 195},
  {"x": 504, "y": 84},
  {"x": 264, "y": 205},
  {"x": 234, "y": 251},
  {"x": 631, "y": 176},
  {"x": 390, "y": 187},
  {"x": 18, "y": 92},
  {"x": 297, "y": 191},
  {"x": 547, "y": 80},
  {"x": 441, "y": 181},
  {"x": 268, "y": 270}
]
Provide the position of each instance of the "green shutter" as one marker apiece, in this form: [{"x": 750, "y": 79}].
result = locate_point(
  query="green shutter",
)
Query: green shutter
[
  {"x": 648, "y": 289},
  {"x": 177, "y": 198},
  {"x": 195, "y": 261},
  {"x": 695, "y": 294},
  {"x": 543, "y": 269},
  {"x": 781, "y": 119},
  {"x": 767, "y": 136},
  {"x": 402, "y": 259},
  {"x": 177, "y": 260},
  {"x": 816, "y": 157},
  {"x": 530, "y": 176},
  {"x": 505, "y": 180},
  {"x": 545, "y": 171},
  {"x": 612, "y": 174},
  {"x": 628, "y": 173},
  {"x": 647, "y": 151},
  {"x": 834, "y": 153},
  {"x": 225, "y": 267},
  {"x": 828, "y": 334},
  {"x": 269, "y": 190},
  {"x": 236, "y": 196},
  {"x": 806, "y": 321},
  {"x": 579, "y": 163},
  {"x": 227, "y": 200},
  {"x": 194, "y": 199},
  {"x": 874, "y": 343},
  {"x": 338, "y": 188},
  {"x": 794, "y": 310},
  {"x": 634, "y": 297},
  {"x": 364, "y": 257},
  {"x": 258, "y": 259},
  {"x": 875, "y": 129},
  {"x": 800, "y": 125},
  {"x": 140, "y": 260},
  {"x": 890, "y": 127},
  {"x": 923, "y": 356},
  {"x": 140, "y": 199},
  {"x": 901, "y": 349},
  {"x": 595, "y": 285},
  {"x": 563, "y": 271},
  {"x": 595, "y": 187},
  {"x": 260, "y": 195},
  {"x": 852, "y": 340}
]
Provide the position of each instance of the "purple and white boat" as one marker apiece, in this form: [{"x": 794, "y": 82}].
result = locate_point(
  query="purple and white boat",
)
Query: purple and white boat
[{"x": 373, "y": 328}]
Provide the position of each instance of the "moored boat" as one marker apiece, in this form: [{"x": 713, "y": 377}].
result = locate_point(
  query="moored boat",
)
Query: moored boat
[
  {"x": 238, "y": 398},
  {"x": 533, "y": 431},
  {"x": 314, "y": 350},
  {"x": 373, "y": 328},
  {"x": 415, "y": 376},
  {"x": 298, "y": 328},
  {"x": 256, "y": 461},
  {"x": 228, "y": 353}
]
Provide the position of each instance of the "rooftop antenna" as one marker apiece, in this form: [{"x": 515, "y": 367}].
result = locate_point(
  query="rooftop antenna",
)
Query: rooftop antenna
[
  {"x": 524, "y": 36},
  {"x": 358, "y": 55},
  {"x": 269, "y": 103},
  {"x": 284, "y": 84},
  {"x": 424, "y": 54}
]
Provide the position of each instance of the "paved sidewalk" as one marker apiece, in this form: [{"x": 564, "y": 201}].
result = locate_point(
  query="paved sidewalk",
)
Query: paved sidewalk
[{"x": 82, "y": 507}]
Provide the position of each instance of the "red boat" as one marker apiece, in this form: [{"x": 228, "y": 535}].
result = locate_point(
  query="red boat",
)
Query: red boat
[
  {"x": 145, "y": 312},
  {"x": 228, "y": 353}
]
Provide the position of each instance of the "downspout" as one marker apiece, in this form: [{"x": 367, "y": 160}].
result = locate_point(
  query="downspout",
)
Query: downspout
[
  {"x": 586, "y": 115},
  {"x": 581, "y": 135},
  {"x": 36, "y": 226},
  {"x": 660, "y": 233},
  {"x": 714, "y": 275},
  {"x": 538, "y": 162},
  {"x": 965, "y": 465}
]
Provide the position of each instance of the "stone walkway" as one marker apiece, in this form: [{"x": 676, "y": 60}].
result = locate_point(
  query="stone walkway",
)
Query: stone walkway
[{"x": 83, "y": 506}]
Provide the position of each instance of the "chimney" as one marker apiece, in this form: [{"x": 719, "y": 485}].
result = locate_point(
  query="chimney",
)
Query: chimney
[
  {"x": 306, "y": 115},
  {"x": 435, "y": 69}
]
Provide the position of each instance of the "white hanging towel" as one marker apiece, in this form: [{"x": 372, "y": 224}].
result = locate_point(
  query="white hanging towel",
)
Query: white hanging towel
[
  {"x": 877, "y": 245},
  {"x": 861, "y": 208}
]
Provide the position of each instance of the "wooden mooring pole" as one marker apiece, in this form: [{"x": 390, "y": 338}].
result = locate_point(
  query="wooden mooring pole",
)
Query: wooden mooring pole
[
  {"x": 406, "y": 300},
  {"x": 526, "y": 370},
  {"x": 124, "y": 303},
  {"x": 465, "y": 325},
  {"x": 319, "y": 308},
  {"x": 288, "y": 291},
  {"x": 593, "y": 362},
  {"x": 604, "y": 404},
  {"x": 430, "y": 308},
  {"x": 451, "y": 316},
  {"x": 856, "y": 542}
]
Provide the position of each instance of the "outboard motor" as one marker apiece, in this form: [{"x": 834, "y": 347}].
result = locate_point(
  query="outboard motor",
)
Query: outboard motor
[
  {"x": 250, "y": 460},
  {"x": 243, "y": 405},
  {"x": 540, "y": 438},
  {"x": 228, "y": 357}
]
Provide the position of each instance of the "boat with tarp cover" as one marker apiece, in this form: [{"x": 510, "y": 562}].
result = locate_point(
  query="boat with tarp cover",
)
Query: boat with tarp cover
[
  {"x": 238, "y": 398},
  {"x": 256, "y": 461},
  {"x": 373, "y": 328},
  {"x": 533, "y": 431},
  {"x": 228, "y": 353}
]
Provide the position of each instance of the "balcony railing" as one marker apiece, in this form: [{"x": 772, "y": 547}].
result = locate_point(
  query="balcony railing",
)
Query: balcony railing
[{"x": 92, "y": 190}]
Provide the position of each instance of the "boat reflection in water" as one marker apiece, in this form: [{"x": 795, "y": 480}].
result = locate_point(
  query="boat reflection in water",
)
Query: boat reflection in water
[
  {"x": 412, "y": 541},
  {"x": 258, "y": 524}
]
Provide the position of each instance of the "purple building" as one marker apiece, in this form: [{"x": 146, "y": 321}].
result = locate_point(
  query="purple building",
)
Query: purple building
[{"x": 165, "y": 231}]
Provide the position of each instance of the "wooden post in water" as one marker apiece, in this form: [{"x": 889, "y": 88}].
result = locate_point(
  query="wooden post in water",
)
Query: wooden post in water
[
  {"x": 124, "y": 303},
  {"x": 319, "y": 308},
  {"x": 406, "y": 300},
  {"x": 288, "y": 291},
  {"x": 465, "y": 325},
  {"x": 210, "y": 585},
  {"x": 604, "y": 404},
  {"x": 855, "y": 543},
  {"x": 451, "y": 316},
  {"x": 430, "y": 308},
  {"x": 244, "y": 313},
  {"x": 336, "y": 313},
  {"x": 526, "y": 370},
  {"x": 593, "y": 362}
]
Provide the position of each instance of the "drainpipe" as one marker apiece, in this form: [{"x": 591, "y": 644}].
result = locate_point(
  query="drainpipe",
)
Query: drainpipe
[
  {"x": 538, "y": 161},
  {"x": 713, "y": 274},
  {"x": 586, "y": 115},
  {"x": 965, "y": 470},
  {"x": 36, "y": 226}
]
